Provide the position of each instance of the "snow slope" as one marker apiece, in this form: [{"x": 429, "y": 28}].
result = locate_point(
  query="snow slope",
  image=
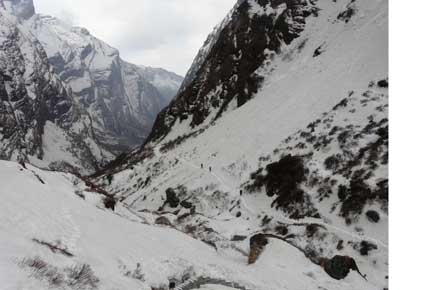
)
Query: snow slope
[{"x": 47, "y": 207}]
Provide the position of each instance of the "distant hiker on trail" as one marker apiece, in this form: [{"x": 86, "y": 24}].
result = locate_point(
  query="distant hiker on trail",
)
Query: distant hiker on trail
[
  {"x": 241, "y": 192},
  {"x": 209, "y": 168},
  {"x": 201, "y": 165}
]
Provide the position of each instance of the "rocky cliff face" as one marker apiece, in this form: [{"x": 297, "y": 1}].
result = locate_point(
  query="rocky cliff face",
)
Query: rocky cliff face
[
  {"x": 40, "y": 121},
  {"x": 225, "y": 73},
  {"x": 122, "y": 99}
]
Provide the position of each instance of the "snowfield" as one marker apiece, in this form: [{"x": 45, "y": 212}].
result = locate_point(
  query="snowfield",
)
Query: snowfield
[{"x": 114, "y": 244}]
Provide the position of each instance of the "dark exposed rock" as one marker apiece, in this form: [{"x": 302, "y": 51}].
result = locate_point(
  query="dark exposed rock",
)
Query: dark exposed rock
[
  {"x": 109, "y": 202},
  {"x": 373, "y": 216},
  {"x": 332, "y": 162},
  {"x": 238, "y": 238},
  {"x": 311, "y": 230},
  {"x": 162, "y": 220},
  {"x": 348, "y": 13},
  {"x": 282, "y": 230},
  {"x": 365, "y": 247},
  {"x": 318, "y": 51},
  {"x": 257, "y": 244},
  {"x": 186, "y": 204},
  {"x": 283, "y": 179},
  {"x": 171, "y": 198},
  {"x": 358, "y": 194},
  {"x": 382, "y": 83},
  {"x": 339, "y": 266},
  {"x": 341, "y": 104},
  {"x": 233, "y": 54},
  {"x": 340, "y": 245}
]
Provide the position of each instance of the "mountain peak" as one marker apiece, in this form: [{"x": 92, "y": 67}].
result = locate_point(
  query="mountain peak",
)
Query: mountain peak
[{"x": 21, "y": 8}]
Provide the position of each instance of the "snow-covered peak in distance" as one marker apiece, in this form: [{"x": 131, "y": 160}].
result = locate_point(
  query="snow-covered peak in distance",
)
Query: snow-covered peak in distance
[
  {"x": 122, "y": 99},
  {"x": 165, "y": 81},
  {"x": 23, "y": 9}
]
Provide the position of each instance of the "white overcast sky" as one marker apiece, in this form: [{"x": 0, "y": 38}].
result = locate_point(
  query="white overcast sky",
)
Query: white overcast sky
[{"x": 159, "y": 33}]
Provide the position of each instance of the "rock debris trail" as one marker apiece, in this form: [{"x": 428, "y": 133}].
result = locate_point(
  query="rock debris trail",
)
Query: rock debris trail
[{"x": 234, "y": 187}]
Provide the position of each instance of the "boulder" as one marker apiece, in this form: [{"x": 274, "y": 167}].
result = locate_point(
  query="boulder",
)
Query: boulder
[
  {"x": 339, "y": 266},
  {"x": 373, "y": 216},
  {"x": 257, "y": 244},
  {"x": 172, "y": 198}
]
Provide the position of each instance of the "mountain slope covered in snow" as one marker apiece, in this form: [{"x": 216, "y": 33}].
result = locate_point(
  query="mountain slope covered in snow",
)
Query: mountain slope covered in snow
[
  {"x": 285, "y": 134},
  {"x": 268, "y": 170}
]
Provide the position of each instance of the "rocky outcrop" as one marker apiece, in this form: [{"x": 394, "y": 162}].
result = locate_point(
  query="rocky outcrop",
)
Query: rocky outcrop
[
  {"x": 339, "y": 267},
  {"x": 283, "y": 180},
  {"x": 257, "y": 244}
]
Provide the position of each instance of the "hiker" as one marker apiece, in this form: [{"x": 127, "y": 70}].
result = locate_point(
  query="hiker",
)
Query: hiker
[
  {"x": 241, "y": 192},
  {"x": 209, "y": 168},
  {"x": 201, "y": 165}
]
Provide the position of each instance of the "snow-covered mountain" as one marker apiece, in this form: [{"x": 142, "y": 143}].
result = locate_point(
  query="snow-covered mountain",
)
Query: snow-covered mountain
[
  {"x": 123, "y": 99},
  {"x": 40, "y": 120},
  {"x": 268, "y": 170},
  {"x": 167, "y": 83},
  {"x": 95, "y": 104}
]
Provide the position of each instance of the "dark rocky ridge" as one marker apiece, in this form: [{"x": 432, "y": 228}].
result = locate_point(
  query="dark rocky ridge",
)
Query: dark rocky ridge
[{"x": 229, "y": 71}]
